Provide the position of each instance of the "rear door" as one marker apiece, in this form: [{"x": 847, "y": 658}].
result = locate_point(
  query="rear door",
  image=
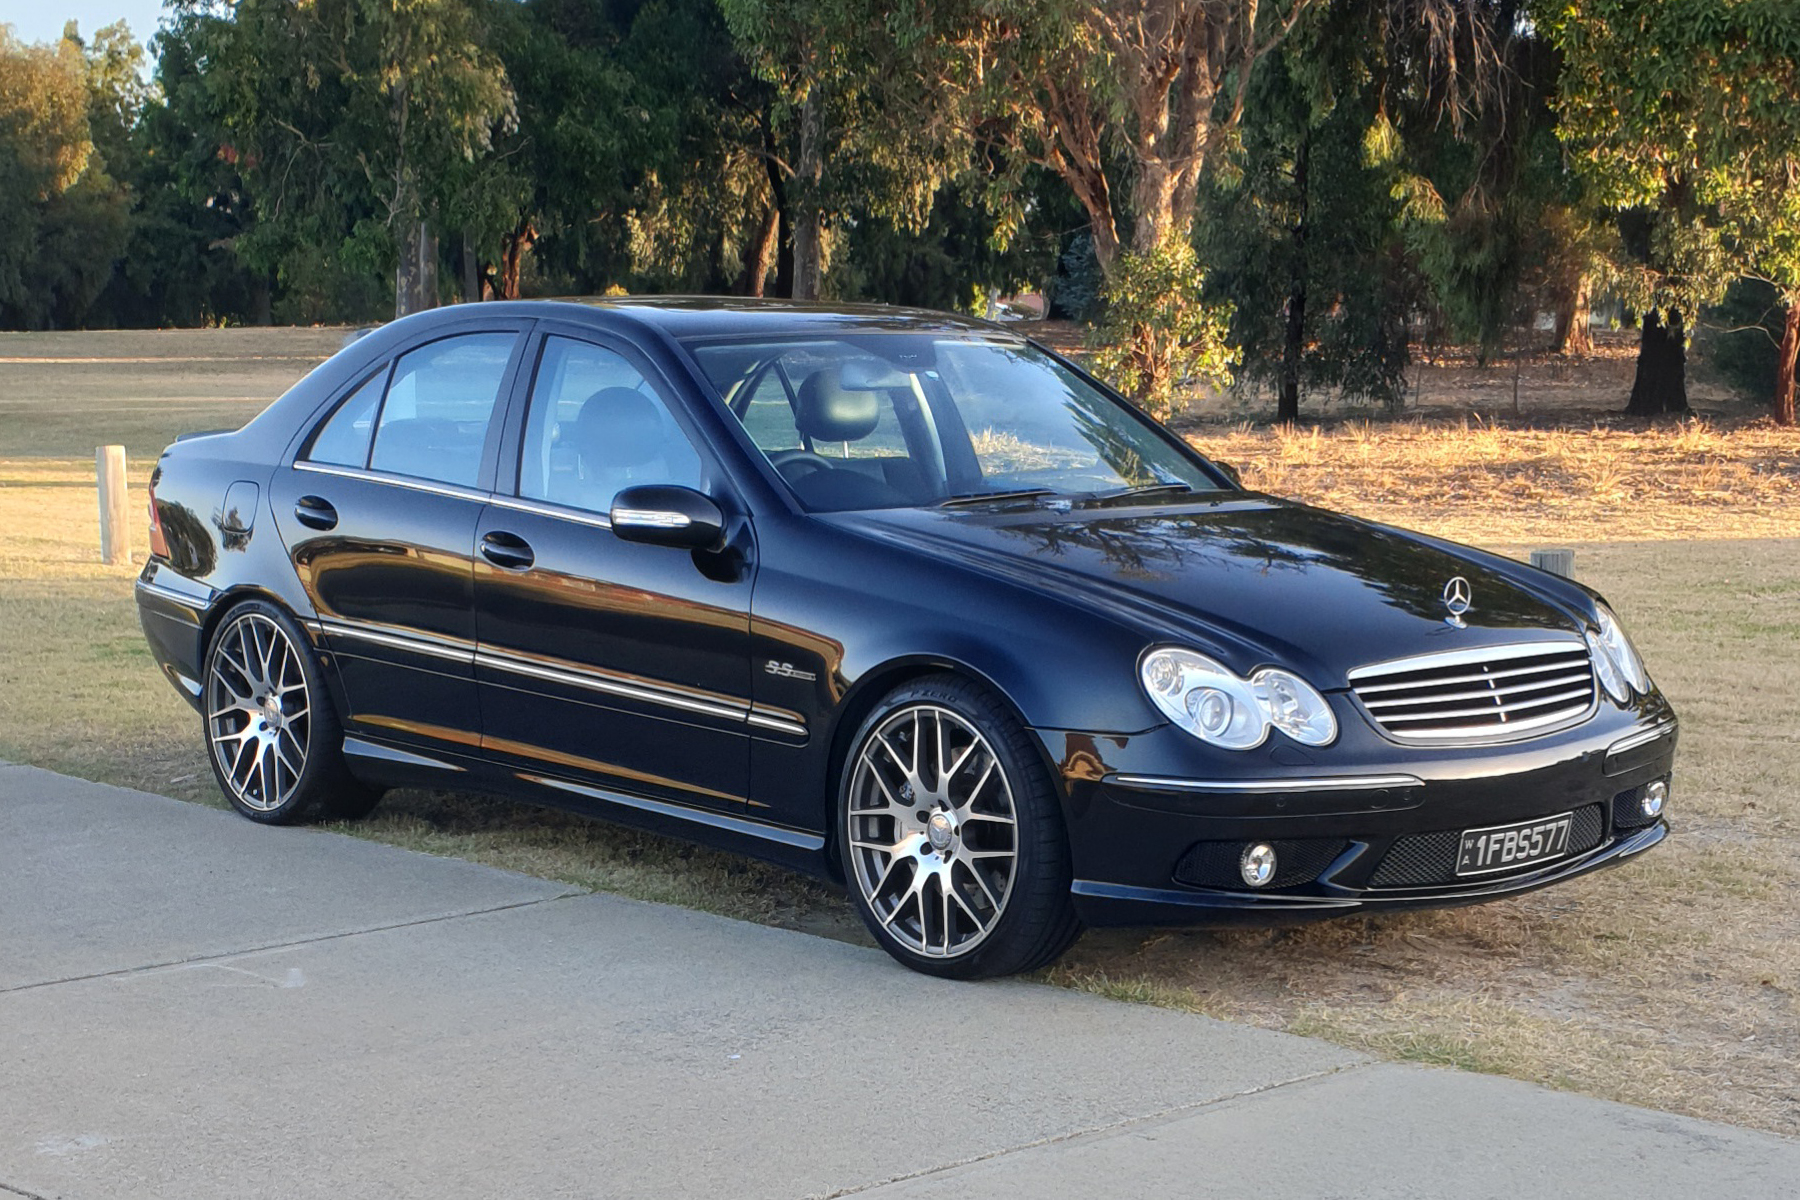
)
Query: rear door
[
  {"x": 379, "y": 511},
  {"x": 612, "y": 664}
]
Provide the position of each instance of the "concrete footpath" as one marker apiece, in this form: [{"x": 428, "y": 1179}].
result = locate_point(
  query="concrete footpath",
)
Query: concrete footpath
[{"x": 192, "y": 1006}]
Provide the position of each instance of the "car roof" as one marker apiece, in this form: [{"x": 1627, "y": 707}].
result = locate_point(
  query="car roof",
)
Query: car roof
[{"x": 705, "y": 317}]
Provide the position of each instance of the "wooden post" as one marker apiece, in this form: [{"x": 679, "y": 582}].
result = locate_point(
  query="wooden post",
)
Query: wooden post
[
  {"x": 1557, "y": 562},
  {"x": 115, "y": 506}
]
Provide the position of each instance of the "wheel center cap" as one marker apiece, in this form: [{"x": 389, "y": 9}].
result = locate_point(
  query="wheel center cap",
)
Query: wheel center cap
[
  {"x": 940, "y": 831},
  {"x": 271, "y": 713}
]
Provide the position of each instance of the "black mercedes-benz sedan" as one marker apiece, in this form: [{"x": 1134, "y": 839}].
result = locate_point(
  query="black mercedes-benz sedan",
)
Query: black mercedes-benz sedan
[{"x": 894, "y": 597}]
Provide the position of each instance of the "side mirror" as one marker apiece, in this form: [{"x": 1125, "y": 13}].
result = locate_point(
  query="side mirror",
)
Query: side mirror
[
  {"x": 663, "y": 514},
  {"x": 1231, "y": 472}
]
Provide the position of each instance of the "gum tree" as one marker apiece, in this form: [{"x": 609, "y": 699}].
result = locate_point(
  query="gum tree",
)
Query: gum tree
[{"x": 1690, "y": 113}]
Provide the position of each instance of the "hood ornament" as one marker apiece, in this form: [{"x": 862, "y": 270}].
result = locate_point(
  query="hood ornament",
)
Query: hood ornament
[{"x": 1457, "y": 601}]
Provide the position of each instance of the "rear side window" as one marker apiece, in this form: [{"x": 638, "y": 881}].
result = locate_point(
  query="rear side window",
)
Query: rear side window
[
  {"x": 435, "y": 419},
  {"x": 344, "y": 439}
]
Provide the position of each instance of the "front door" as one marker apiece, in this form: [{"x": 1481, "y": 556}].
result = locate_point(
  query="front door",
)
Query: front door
[
  {"x": 614, "y": 664},
  {"x": 379, "y": 513}
]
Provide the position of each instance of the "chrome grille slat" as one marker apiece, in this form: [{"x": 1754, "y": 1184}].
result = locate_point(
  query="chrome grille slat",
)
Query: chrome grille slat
[
  {"x": 1482, "y": 710},
  {"x": 1535, "y": 685},
  {"x": 1576, "y": 659},
  {"x": 1530, "y": 687}
]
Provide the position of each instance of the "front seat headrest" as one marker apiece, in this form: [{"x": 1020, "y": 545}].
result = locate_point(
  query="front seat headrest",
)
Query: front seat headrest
[
  {"x": 830, "y": 412},
  {"x": 618, "y": 427}
]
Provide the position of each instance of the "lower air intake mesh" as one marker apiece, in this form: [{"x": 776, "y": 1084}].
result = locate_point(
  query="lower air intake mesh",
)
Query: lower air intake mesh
[{"x": 1422, "y": 859}]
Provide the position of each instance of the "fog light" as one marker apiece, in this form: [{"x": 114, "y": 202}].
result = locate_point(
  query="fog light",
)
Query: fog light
[
  {"x": 1654, "y": 795},
  {"x": 1257, "y": 865}
]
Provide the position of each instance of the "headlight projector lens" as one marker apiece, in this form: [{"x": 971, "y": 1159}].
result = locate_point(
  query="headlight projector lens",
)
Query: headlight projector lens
[{"x": 1257, "y": 864}]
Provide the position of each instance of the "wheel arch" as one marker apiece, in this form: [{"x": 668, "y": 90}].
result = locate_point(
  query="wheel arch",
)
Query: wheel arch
[
  {"x": 870, "y": 688},
  {"x": 234, "y": 597}
]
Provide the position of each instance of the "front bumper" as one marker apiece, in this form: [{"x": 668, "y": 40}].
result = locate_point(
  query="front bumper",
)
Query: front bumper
[{"x": 1156, "y": 823}]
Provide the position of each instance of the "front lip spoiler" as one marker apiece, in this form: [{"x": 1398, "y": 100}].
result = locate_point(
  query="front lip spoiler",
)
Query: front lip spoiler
[{"x": 1140, "y": 904}]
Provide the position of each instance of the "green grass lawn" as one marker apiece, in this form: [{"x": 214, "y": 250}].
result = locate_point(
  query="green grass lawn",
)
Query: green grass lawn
[{"x": 1673, "y": 981}]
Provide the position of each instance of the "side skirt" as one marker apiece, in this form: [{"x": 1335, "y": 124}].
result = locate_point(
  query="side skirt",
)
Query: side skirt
[{"x": 384, "y": 765}]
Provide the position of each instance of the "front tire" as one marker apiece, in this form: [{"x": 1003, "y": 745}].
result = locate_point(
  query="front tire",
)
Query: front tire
[
  {"x": 952, "y": 837},
  {"x": 272, "y": 736}
]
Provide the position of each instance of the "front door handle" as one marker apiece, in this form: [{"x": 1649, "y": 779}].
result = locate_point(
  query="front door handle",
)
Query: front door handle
[
  {"x": 507, "y": 550},
  {"x": 315, "y": 512}
]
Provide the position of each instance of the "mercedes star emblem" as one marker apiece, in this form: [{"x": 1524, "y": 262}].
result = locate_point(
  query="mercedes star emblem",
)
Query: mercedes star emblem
[{"x": 1456, "y": 599}]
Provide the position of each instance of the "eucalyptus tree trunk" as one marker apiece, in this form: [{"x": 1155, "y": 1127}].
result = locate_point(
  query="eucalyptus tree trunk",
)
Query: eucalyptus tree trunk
[
  {"x": 1294, "y": 349},
  {"x": 415, "y": 275},
  {"x": 761, "y": 259},
  {"x": 1784, "y": 364},
  {"x": 1573, "y": 335},
  {"x": 809, "y": 224},
  {"x": 1661, "y": 383}
]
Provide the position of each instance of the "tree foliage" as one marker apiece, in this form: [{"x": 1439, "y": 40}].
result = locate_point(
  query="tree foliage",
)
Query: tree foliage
[{"x": 1691, "y": 113}]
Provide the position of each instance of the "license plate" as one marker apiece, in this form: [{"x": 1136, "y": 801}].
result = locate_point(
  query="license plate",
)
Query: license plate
[{"x": 1503, "y": 847}]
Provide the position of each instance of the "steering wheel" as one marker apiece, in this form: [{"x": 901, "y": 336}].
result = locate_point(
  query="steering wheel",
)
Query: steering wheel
[{"x": 795, "y": 465}]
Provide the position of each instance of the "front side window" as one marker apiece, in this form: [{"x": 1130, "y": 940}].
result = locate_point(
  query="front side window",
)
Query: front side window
[
  {"x": 889, "y": 420},
  {"x": 434, "y": 421},
  {"x": 595, "y": 426}
]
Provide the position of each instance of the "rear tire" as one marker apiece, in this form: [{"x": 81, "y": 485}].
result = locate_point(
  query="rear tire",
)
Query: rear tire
[
  {"x": 952, "y": 836},
  {"x": 272, "y": 736}
]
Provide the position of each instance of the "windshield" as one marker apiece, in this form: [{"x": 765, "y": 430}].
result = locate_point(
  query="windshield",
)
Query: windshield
[{"x": 894, "y": 420}]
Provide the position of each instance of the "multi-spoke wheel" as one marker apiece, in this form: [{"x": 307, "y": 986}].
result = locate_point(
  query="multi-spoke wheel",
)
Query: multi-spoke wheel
[
  {"x": 275, "y": 745},
  {"x": 951, "y": 836}
]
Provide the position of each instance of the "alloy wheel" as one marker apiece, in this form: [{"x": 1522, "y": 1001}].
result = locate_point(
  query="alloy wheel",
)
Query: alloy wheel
[
  {"x": 933, "y": 830},
  {"x": 258, "y": 712}
]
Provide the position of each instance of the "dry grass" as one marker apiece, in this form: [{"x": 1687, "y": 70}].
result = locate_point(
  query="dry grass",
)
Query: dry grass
[
  {"x": 1482, "y": 482},
  {"x": 1672, "y": 982}
]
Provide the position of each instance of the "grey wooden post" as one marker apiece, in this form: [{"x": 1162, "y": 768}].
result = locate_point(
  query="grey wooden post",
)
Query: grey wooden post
[
  {"x": 115, "y": 506},
  {"x": 1557, "y": 562}
]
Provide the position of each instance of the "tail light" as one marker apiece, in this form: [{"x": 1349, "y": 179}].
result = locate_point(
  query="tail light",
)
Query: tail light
[{"x": 159, "y": 545}]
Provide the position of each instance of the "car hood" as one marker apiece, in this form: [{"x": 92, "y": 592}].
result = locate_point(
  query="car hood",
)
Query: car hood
[{"x": 1252, "y": 578}]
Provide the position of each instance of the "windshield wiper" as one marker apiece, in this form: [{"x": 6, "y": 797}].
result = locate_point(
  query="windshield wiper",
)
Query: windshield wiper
[{"x": 992, "y": 497}]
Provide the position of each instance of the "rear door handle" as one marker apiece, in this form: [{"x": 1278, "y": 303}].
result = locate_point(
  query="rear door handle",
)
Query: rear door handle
[
  {"x": 315, "y": 512},
  {"x": 507, "y": 550}
]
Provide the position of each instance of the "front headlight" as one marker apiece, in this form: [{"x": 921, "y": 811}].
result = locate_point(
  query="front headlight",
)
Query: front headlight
[
  {"x": 1616, "y": 660},
  {"x": 1213, "y": 703}
]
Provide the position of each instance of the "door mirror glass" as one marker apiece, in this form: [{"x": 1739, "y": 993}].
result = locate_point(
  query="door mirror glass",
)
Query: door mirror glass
[{"x": 668, "y": 515}]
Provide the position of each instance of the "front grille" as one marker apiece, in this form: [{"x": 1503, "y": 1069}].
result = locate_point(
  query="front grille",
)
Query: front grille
[
  {"x": 1422, "y": 859},
  {"x": 1493, "y": 694},
  {"x": 1297, "y": 861}
]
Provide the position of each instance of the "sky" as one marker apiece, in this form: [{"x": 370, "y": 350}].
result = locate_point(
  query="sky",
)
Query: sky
[{"x": 42, "y": 20}]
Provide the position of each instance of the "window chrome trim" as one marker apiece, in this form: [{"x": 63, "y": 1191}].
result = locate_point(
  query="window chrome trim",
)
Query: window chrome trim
[
  {"x": 1456, "y": 658},
  {"x": 545, "y": 508},
  {"x": 717, "y": 820},
  {"x": 1321, "y": 783},
  {"x": 453, "y": 490}
]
